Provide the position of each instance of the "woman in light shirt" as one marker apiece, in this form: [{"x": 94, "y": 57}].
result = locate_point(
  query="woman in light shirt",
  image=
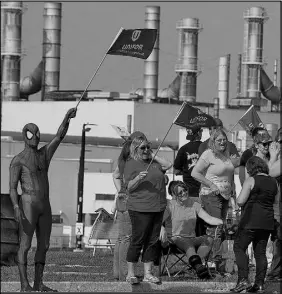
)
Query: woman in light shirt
[{"x": 215, "y": 171}]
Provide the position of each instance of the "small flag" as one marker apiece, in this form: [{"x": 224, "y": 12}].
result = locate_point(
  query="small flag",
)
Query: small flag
[
  {"x": 191, "y": 117},
  {"x": 121, "y": 131},
  {"x": 137, "y": 43},
  {"x": 250, "y": 120}
]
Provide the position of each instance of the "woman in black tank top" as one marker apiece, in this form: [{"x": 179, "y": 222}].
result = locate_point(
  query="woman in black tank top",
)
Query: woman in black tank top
[{"x": 257, "y": 222}]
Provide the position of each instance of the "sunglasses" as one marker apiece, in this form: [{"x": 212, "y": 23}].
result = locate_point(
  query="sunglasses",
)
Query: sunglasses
[
  {"x": 265, "y": 144},
  {"x": 221, "y": 141},
  {"x": 145, "y": 147}
]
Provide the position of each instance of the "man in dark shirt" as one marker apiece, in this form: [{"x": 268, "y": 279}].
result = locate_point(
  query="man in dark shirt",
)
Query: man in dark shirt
[
  {"x": 186, "y": 159},
  {"x": 248, "y": 153},
  {"x": 218, "y": 125}
]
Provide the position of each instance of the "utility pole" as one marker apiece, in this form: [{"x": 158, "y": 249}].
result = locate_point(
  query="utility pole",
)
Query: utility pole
[{"x": 79, "y": 212}]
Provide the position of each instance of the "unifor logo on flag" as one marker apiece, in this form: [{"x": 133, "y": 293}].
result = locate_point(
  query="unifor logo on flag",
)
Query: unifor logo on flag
[
  {"x": 135, "y": 35},
  {"x": 190, "y": 117},
  {"x": 250, "y": 120},
  {"x": 137, "y": 43}
]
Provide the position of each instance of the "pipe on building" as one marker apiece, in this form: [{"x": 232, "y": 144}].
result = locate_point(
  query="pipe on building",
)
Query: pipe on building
[
  {"x": 172, "y": 91},
  {"x": 223, "y": 81},
  {"x": 11, "y": 49},
  {"x": 187, "y": 64},
  {"x": 216, "y": 107},
  {"x": 268, "y": 89},
  {"x": 51, "y": 47},
  {"x": 275, "y": 73},
  {"x": 239, "y": 75},
  {"x": 31, "y": 84},
  {"x": 253, "y": 50},
  {"x": 151, "y": 64}
]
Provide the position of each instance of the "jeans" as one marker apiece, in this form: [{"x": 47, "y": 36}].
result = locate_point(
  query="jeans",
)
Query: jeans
[
  {"x": 216, "y": 206},
  {"x": 259, "y": 239},
  {"x": 121, "y": 246},
  {"x": 146, "y": 227}
]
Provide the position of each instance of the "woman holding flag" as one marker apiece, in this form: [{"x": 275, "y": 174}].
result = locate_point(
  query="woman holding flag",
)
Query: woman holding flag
[{"x": 145, "y": 181}]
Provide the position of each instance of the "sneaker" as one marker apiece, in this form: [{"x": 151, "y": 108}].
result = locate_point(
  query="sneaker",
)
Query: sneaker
[
  {"x": 152, "y": 279},
  {"x": 132, "y": 280}
]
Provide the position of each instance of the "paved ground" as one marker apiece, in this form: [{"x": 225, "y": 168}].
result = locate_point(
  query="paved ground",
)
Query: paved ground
[{"x": 187, "y": 287}]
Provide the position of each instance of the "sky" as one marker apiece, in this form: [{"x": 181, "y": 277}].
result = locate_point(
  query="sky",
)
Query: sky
[{"x": 88, "y": 29}]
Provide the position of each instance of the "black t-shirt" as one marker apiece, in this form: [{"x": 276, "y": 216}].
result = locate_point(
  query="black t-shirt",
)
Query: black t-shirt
[
  {"x": 247, "y": 154},
  {"x": 258, "y": 210},
  {"x": 185, "y": 160}
]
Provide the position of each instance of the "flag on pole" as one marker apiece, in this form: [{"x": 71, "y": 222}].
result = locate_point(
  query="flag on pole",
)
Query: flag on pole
[
  {"x": 191, "y": 117},
  {"x": 250, "y": 120},
  {"x": 137, "y": 43},
  {"x": 121, "y": 131}
]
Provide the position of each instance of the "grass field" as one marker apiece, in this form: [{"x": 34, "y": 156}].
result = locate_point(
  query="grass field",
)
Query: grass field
[{"x": 65, "y": 265}]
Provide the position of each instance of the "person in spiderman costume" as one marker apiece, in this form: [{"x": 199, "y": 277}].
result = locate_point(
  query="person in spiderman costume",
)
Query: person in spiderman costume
[{"x": 32, "y": 209}]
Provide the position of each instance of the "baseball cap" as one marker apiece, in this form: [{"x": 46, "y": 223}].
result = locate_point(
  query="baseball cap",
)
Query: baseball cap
[
  {"x": 263, "y": 137},
  {"x": 218, "y": 122},
  {"x": 192, "y": 132}
]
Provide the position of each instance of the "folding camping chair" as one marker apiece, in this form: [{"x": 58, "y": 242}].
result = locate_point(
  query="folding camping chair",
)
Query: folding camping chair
[
  {"x": 171, "y": 256},
  {"x": 104, "y": 229}
]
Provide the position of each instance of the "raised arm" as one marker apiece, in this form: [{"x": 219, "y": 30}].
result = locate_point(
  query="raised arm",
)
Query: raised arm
[
  {"x": 164, "y": 163},
  {"x": 15, "y": 173},
  {"x": 53, "y": 145},
  {"x": 275, "y": 169},
  {"x": 275, "y": 160}
]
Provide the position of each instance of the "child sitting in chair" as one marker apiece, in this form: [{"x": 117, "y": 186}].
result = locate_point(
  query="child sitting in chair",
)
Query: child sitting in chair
[{"x": 184, "y": 212}]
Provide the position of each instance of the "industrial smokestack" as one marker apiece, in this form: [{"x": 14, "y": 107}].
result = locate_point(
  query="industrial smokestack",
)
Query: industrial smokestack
[
  {"x": 223, "y": 81},
  {"x": 253, "y": 50},
  {"x": 239, "y": 75},
  {"x": 275, "y": 73},
  {"x": 11, "y": 49},
  {"x": 32, "y": 83},
  {"x": 51, "y": 47},
  {"x": 151, "y": 64},
  {"x": 187, "y": 64}
]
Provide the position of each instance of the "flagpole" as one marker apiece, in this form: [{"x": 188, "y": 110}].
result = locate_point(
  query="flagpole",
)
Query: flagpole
[
  {"x": 120, "y": 30},
  {"x": 241, "y": 117},
  {"x": 159, "y": 147},
  {"x": 176, "y": 116}
]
